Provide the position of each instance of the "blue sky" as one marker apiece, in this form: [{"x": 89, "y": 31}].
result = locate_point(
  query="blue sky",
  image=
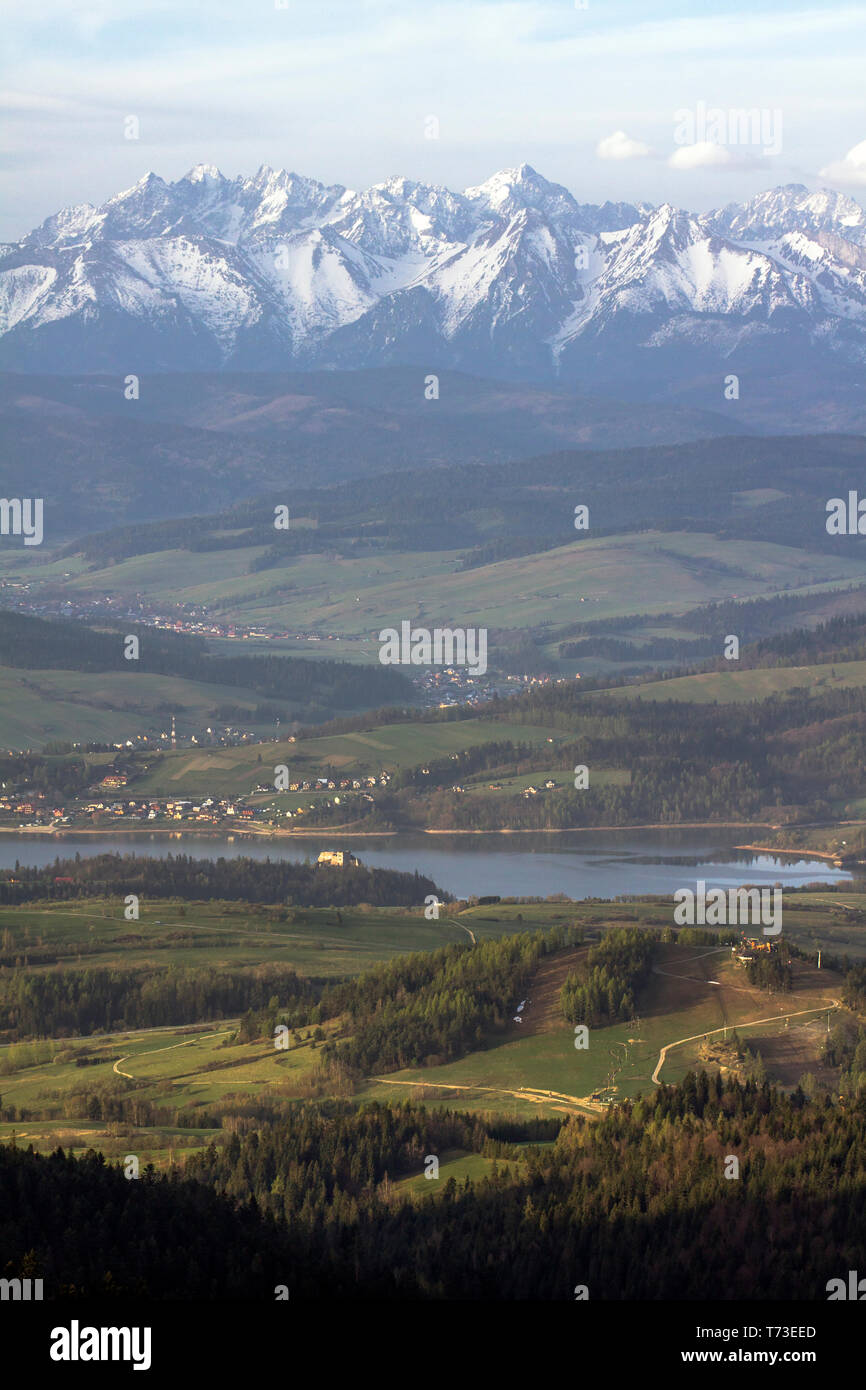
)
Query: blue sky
[{"x": 342, "y": 89}]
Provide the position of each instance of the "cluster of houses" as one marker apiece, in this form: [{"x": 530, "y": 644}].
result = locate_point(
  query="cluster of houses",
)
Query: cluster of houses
[
  {"x": 356, "y": 785},
  {"x": 450, "y": 685},
  {"x": 549, "y": 786},
  {"x": 207, "y": 811},
  {"x": 187, "y": 617},
  {"x": 541, "y": 679},
  {"x": 34, "y": 805},
  {"x": 203, "y": 811},
  {"x": 332, "y": 784}
]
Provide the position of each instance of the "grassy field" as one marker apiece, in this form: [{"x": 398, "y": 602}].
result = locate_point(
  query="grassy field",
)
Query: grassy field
[
  {"x": 228, "y": 935},
  {"x": 237, "y": 770},
  {"x": 454, "y": 1163},
  {"x": 647, "y": 573},
  {"x": 736, "y": 687},
  {"x": 94, "y": 933},
  {"x": 538, "y": 1057},
  {"x": 183, "y": 1071},
  {"x": 39, "y": 706},
  {"x": 352, "y": 599},
  {"x": 314, "y": 942},
  {"x": 195, "y": 1073},
  {"x": 509, "y": 786}
]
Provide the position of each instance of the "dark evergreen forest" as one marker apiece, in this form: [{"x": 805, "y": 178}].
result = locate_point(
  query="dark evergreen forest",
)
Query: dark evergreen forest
[{"x": 634, "y": 1206}]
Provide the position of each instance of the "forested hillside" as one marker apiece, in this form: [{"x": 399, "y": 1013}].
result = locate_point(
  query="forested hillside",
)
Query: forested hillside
[
  {"x": 791, "y": 756},
  {"x": 529, "y": 502},
  {"x": 633, "y": 1206},
  {"x": 77, "y": 1002},
  {"x": 416, "y": 1010},
  {"x": 43, "y": 644},
  {"x": 431, "y": 1008}
]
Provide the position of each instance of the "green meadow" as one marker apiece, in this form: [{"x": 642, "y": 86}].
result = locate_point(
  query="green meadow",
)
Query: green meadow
[
  {"x": 735, "y": 687},
  {"x": 37, "y": 707},
  {"x": 314, "y": 941},
  {"x": 645, "y": 573},
  {"x": 237, "y": 770},
  {"x": 195, "y": 1074},
  {"x": 620, "y": 1060}
]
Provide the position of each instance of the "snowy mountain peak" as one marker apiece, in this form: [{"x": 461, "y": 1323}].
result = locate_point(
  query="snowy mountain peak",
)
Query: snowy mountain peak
[
  {"x": 791, "y": 208},
  {"x": 670, "y": 225},
  {"x": 149, "y": 188},
  {"x": 203, "y": 173},
  {"x": 661, "y": 218},
  {"x": 397, "y": 186},
  {"x": 147, "y": 182},
  {"x": 523, "y": 184},
  {"x": 512, "y": 275}
]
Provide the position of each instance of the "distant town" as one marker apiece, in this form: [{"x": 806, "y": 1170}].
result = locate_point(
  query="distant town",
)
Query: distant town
[
  {"x": 438, "y": 687},
  {"x": 105, "y": 805}
]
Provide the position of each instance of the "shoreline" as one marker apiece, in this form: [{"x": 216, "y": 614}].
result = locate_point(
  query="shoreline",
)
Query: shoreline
[
  {"x": 252, "y": 832},
  {"x": 811, "y": 853},
  {"x": 247, "y": 833},
  {"x": 275, "y": 835},
  {"x": 587, "y": 829}
]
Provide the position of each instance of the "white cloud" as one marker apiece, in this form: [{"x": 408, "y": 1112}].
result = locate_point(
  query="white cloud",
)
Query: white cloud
[
  {"x": 621, "y": 146},
  {"x": 706, "y": 154},
  {"x": 850, "y": 170}
]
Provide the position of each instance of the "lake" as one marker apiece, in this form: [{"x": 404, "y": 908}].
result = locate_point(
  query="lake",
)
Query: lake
[{"x": 590, "y": 864}]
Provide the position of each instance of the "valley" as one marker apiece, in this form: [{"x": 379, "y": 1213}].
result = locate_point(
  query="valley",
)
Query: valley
[
  {"x": 170, "y": 1087},
  {"x": 432, "y": 684}
]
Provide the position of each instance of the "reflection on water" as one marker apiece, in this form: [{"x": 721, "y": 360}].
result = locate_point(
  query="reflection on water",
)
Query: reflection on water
[{"x": 595, "y": 864}]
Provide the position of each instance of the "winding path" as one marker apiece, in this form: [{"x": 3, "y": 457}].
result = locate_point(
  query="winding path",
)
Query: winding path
[
  {"x": 774, "y": 1018},
  {"x": 200, "y": 1037},
  {"x": 711, "y": 1032},
  {"x": 462, "y": 927}
]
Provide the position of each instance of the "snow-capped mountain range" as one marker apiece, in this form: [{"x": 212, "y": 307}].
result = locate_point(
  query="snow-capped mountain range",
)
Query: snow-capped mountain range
[{"x": 513, "y": 277}]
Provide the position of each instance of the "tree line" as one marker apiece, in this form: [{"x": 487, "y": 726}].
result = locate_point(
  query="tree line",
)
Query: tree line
[
  {"x": 238, "y": 879},
  {"x": 69, "y": 1003}
]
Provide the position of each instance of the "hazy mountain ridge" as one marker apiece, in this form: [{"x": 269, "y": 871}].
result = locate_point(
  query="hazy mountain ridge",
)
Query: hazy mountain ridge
[
  {"x": 512, "y": 277},
  {"x": 212, "y": 439}
]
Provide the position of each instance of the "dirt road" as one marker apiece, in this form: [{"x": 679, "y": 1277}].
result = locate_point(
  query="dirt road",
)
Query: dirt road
[
  {"x": 774, "y": 1018},
  {"x": 523, "y": 1093},
  {"x": 150, "y": 1052}
]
